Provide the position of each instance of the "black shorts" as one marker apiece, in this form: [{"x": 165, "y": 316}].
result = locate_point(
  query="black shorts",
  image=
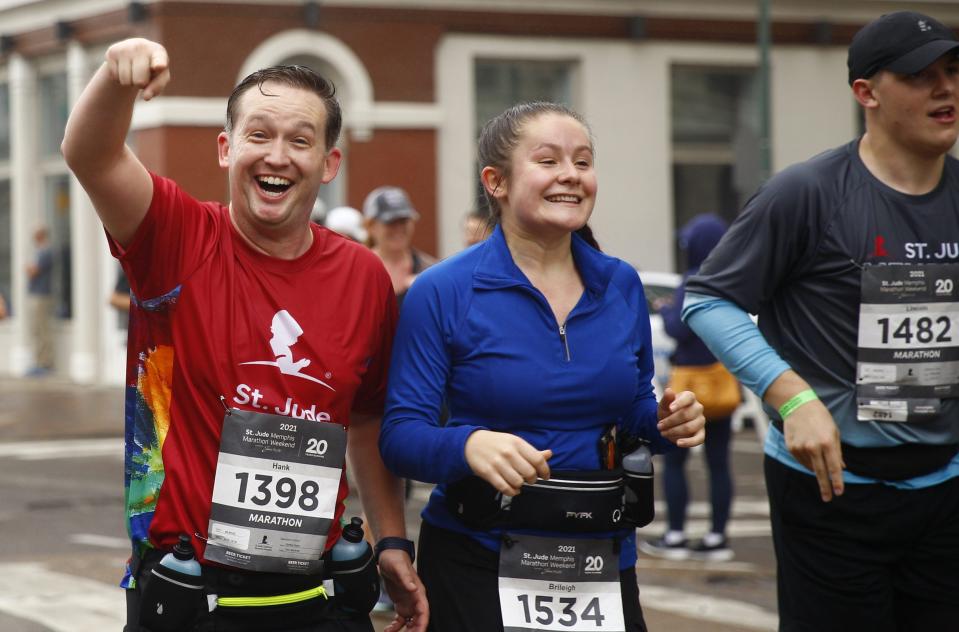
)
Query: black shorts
[
  {"x": 876, "y": 558},
  {"x": 461, "y": 579}
]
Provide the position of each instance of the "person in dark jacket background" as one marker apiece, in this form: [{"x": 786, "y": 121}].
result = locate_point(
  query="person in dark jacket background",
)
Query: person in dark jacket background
[{"x": 696, "y": 240}]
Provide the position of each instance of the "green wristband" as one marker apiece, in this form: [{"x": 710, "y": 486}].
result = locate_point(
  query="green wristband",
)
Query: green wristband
[{"x": 798, "y": 400}]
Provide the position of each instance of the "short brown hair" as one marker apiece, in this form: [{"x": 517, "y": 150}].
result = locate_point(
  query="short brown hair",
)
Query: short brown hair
[{"x": 296, "y": 77}]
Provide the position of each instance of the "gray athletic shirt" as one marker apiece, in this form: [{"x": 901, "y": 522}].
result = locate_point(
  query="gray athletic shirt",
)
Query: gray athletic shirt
[{"x": 795, "y": 256}]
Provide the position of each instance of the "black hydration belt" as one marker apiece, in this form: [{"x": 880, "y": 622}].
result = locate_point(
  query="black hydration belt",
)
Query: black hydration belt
[
  {"x": 570, "y": 501},
  {"x": 245, "y": 601},
  {"x": 235, "y": 582}
]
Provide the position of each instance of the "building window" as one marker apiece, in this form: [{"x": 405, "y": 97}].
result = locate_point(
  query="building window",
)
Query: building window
[
  {"x": 54, "y": 109},
  {"x": 6, "y": 238},
  {"x": 6, "y": 244},
  {"x": 500, "y": 84},
  {"x": 715, "y": 139},
  {"x": 56, "y": 201},
  {"x": 4, "y": 123},
  {"x": 52, "y": 119}
]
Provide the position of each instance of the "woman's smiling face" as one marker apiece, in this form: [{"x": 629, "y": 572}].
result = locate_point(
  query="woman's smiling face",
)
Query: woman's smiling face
[{"x": 551, "y": 185}]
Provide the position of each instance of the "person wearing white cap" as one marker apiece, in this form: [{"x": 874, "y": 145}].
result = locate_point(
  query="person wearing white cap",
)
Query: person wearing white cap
[
  {"x": 348, "y": 222},
  {"x": 850, "y": 260},
  {"x": 391, "y": 219}
]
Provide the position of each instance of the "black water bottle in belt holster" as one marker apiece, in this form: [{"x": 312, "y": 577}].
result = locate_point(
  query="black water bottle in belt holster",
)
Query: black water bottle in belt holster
[{"x": 172, "y": 594}]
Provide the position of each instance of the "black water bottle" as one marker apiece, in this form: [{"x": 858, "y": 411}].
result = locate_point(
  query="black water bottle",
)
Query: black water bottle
[
  {"x": 638, "y": 474},
  {"x": 356, "y": 582},
  {"x": 172, "y": 590}
]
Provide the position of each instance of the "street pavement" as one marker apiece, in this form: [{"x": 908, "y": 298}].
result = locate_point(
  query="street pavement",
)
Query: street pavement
[{"x": 63, "y": 544}]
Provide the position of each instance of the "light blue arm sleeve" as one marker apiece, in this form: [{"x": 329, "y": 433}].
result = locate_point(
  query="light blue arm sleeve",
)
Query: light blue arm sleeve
[{"x": 735, "y": 339}]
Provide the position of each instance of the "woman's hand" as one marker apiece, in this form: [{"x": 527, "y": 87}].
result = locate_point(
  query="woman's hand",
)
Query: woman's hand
[
  {"x": 681, "y": 418},
  {"x": 506, "y": 461}
]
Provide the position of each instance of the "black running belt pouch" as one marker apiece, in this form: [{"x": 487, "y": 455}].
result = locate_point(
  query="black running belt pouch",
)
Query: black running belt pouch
[
  {"x": 570, "y": 501},
  {"x": 356, "y": 589},
  {"x": 638, "y": 507},
  {"x": 184, "y": 609},
  {"x": 170, "y": 601}
]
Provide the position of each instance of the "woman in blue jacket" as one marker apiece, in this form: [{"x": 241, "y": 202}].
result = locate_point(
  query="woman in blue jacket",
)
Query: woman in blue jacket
[{"x": 539, "y": 344}]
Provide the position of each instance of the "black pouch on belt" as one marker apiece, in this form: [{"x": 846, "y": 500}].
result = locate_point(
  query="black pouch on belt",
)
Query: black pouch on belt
[
  {"x": 639, "y": 507},
  {"x": 637, "y": 469},
  {"x": 169, "y": 600},
  {"x": 356, "y": 584},
  {"x": 571, "y": 501}
]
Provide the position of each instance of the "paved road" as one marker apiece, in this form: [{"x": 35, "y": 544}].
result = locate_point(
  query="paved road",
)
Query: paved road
[{"x": 62, "y": 540}]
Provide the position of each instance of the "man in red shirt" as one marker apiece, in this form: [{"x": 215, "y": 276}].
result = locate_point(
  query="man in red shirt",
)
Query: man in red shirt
[{"x": 259, "y": 345}]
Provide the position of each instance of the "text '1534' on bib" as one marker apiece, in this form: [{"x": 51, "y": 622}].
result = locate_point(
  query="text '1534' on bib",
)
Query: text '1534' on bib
[{"x": 550, "y": 583}]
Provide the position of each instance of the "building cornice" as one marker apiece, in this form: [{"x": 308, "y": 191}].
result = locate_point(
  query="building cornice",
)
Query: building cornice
[
  {"x": 37, "y": 27},
  {"x": 211, "y": 112}
]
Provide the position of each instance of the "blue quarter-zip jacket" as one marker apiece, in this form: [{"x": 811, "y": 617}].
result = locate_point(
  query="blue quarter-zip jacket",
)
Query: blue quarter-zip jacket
[{"x": 475, "y": 332}]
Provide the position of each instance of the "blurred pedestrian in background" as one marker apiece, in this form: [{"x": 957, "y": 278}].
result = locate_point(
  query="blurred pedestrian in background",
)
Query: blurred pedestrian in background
[
  {"x": 348, "y": 222},
  {"x": 719, "y": 393},
  {"x": 40, "y": 291},
  {"x": 391, "y": 219},
  {"x": 120, "y": 299},
  {"x": 476, "y": 228},
  {"x": 120, "y": 296}
]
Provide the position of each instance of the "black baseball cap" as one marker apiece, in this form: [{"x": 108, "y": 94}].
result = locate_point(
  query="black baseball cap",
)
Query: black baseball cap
[
  {"x": 903, "y": 42},
  {"x": 388, "y": 204}
]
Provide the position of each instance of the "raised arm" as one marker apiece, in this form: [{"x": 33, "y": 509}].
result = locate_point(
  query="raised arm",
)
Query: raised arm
[{"x": 94, "y": 142}]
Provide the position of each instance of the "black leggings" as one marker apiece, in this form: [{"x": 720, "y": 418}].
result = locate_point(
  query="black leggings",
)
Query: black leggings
[
  {"x": 461, "y": 582},
  {"x": 718, "y": 436}
]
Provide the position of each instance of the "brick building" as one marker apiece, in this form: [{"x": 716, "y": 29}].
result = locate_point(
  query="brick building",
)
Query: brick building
[{"x": 670, "y": 87}]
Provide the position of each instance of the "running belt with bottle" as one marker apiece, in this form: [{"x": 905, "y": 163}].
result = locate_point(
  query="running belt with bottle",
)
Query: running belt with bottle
[
  {"x": 176, "y": 593},
  {"x": 570, "y": 501},
  {"x": 571, "y": 580}
]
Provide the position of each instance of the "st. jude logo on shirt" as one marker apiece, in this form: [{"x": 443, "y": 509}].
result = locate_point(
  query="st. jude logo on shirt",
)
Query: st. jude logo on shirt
[
  {"x": 286, "y": 331},
  {"x": 284, "y": 334},
  {"x": 932, "y": 251},
  {"x": 914, "y": 251}
]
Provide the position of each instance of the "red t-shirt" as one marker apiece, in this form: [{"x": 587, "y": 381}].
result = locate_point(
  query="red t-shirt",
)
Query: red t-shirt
[{"x": 201, "y": 339}]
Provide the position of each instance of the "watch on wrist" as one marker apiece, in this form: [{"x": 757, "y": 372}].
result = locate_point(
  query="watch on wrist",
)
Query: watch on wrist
[{"x": 396, "y": 543}]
